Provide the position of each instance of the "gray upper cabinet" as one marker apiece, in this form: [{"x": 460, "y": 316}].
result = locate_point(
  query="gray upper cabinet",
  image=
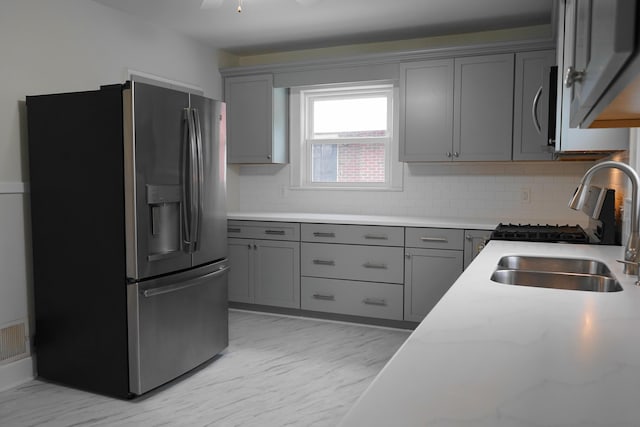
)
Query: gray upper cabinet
[
  {"x": 603, "y": 35},
  {"x": 483, "y": 107},
  {"x": 531, "y": 105},
  {"x": 257, "y": 124},
  {"x": 457, "y": 109},
  {"x": 426, "y": 111}
]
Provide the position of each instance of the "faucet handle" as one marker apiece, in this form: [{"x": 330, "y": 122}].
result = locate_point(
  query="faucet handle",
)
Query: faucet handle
[{"x": 631, "y": 268}]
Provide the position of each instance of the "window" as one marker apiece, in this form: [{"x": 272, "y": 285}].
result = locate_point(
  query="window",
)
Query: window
[{"x": 343, "y": 137}]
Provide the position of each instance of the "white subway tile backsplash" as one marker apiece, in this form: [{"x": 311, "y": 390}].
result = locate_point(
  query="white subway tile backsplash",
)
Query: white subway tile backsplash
[{"x": 476, "y": 190}]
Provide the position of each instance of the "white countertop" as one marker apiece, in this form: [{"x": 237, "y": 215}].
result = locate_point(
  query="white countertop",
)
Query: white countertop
[
  {"x": 495, "y": 355},
  {"x": 401, "y": 221}
]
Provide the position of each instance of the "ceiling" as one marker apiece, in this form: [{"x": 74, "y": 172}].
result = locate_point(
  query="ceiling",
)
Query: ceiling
[{"x": 281, "y": 25}]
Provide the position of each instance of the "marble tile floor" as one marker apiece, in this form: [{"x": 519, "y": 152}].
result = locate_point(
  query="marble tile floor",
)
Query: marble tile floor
[{"x": 277, "y": 371}]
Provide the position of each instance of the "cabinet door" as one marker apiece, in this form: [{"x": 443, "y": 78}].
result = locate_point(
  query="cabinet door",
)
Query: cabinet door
[
  {"x": 426, "y": 111},
  {"x": 429, "y": 273},
  {"x": 483, "y": 108},
  {"x": 603, "y": 40},
  {"x": 249, "y": 118},
  {"x": 240, "y": 273},
  {"x": 531, "y": 105},
  {"x": 277, "y": 273}
]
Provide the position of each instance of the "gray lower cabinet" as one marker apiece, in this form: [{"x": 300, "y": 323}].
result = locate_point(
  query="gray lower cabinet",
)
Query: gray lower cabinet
[
  {"x": 264, "y": 270},
  {"x": 382, "y": 272},
  {"x": 429, "y": 270},
  {"x": 380, "y": 300},
  {"x": 350, "y": 277}
]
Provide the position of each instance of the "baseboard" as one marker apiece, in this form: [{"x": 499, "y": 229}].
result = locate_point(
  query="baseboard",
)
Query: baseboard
[{"x": 15, "y": 373}]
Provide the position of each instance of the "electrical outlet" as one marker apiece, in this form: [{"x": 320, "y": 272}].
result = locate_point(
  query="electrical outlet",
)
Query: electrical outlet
[{"x": 525, "y": 195}]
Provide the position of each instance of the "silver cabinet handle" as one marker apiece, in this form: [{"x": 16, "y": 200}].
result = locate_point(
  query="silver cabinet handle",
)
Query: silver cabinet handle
[
  {"x": 534, "y": 111},
  {"x": 375, "y": 301},
  {"x": 449, "y": 154},
  {"x": 323, "y": 234},
  {"x": 324, "y": 262},
  {"x": 324, "y": 297},
  {"x": 376, "y": 237},
  {"x": 174, "y": 288},
  {"x": 275, "y": 232},
  {"x": 456, "y": 154},
  {"x": 572, "y": 75},
  {"x": 233, "y": 230},
  {"x": 375, "y": 265},
  {"x": 434, "y": 239}
]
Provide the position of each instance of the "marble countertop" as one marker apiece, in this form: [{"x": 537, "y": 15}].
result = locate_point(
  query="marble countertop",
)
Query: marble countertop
[
  {"x": 495, "y": 355},
  {"x": 402, "y": 221}
]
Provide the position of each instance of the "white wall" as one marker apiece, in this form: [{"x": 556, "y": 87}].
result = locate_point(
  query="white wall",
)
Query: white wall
[
  {"x": 57, "y": 46},
  {"x": 492, "y": 190}
]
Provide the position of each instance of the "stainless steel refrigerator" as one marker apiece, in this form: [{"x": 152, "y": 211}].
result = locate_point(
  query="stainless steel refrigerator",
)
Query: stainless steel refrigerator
[{"x": 129, "y": 239}]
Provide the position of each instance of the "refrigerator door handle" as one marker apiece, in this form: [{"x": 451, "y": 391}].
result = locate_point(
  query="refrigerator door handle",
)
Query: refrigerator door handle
[
  {"x": 185, "y": 178},
  {"x": 200, "y": 177},
  {"x": 189, "y": 182}
]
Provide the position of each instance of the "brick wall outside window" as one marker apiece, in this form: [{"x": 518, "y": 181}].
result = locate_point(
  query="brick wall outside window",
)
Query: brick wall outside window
[{"x": 361, "y": 163}]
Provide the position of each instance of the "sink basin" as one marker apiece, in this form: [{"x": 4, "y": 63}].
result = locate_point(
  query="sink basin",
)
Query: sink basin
[
  {"x": 559, "y": 265},
  {"x": 570, "y": 281},
  {"x": 556, "y": 273}
]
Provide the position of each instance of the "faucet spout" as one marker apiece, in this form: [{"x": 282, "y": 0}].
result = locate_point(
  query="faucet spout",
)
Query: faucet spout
[{"x": 632, "y": 249}]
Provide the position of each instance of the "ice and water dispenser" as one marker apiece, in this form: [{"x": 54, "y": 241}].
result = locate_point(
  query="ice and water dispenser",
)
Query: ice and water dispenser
[{"x": 164, "y": 214}]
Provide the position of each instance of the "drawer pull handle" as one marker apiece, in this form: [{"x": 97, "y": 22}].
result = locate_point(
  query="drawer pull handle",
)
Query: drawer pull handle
[
  {"x": 376, "y": 237},
  {"x": 322, "y": 234},
  {"x": 434, "y": 239},
  {"x": 324, "y": 262},
  {"x": 324, "y": 297},
  {"x": 274, "y": 232},
  {"x": 233, "y": 230},
  {"x": 375, "y": 265},
  {"x": 375, "y": 301}
]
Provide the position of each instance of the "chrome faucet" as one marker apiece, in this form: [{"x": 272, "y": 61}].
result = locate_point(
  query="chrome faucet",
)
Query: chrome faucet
[{"x": 632, "y": 250}]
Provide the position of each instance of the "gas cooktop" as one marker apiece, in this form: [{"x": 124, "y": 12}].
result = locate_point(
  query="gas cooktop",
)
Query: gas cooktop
[{"x": 540, "y": 233}]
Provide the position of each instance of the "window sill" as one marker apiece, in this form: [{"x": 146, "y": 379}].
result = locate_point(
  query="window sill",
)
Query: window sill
[{"x": 341, "y": 188}]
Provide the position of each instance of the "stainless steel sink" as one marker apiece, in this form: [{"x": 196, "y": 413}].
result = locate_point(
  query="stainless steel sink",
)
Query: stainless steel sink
[
  {"x": 556, "y": 273},
  {"x": 559, "y": 265}
]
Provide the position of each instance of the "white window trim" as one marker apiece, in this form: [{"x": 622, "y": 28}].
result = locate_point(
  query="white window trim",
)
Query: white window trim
[{"x": 300, "y": 159}]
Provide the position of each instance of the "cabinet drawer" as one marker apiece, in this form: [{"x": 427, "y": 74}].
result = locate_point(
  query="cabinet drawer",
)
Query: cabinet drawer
[
  {"x": 263, "y": 230},
  {"x": 353, "y": 262},
  {"x": 353, "y": 234},
  {"x": 434, "y": 238},
  {"x": 382, "y": 300}
]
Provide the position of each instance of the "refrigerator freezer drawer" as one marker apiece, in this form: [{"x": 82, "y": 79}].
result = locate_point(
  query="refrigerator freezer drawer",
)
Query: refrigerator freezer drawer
[{"x": 176, "y": 323}]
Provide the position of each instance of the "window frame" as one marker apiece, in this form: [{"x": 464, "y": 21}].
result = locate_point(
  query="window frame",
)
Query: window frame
[{"x": 301, "y": 140}]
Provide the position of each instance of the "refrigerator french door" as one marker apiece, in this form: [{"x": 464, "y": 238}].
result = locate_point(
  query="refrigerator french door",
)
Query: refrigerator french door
[{"x": 130, "y": 268}]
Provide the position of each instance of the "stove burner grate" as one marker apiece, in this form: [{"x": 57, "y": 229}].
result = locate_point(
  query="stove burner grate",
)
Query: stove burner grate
[{"x": 540, "y": 233}]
